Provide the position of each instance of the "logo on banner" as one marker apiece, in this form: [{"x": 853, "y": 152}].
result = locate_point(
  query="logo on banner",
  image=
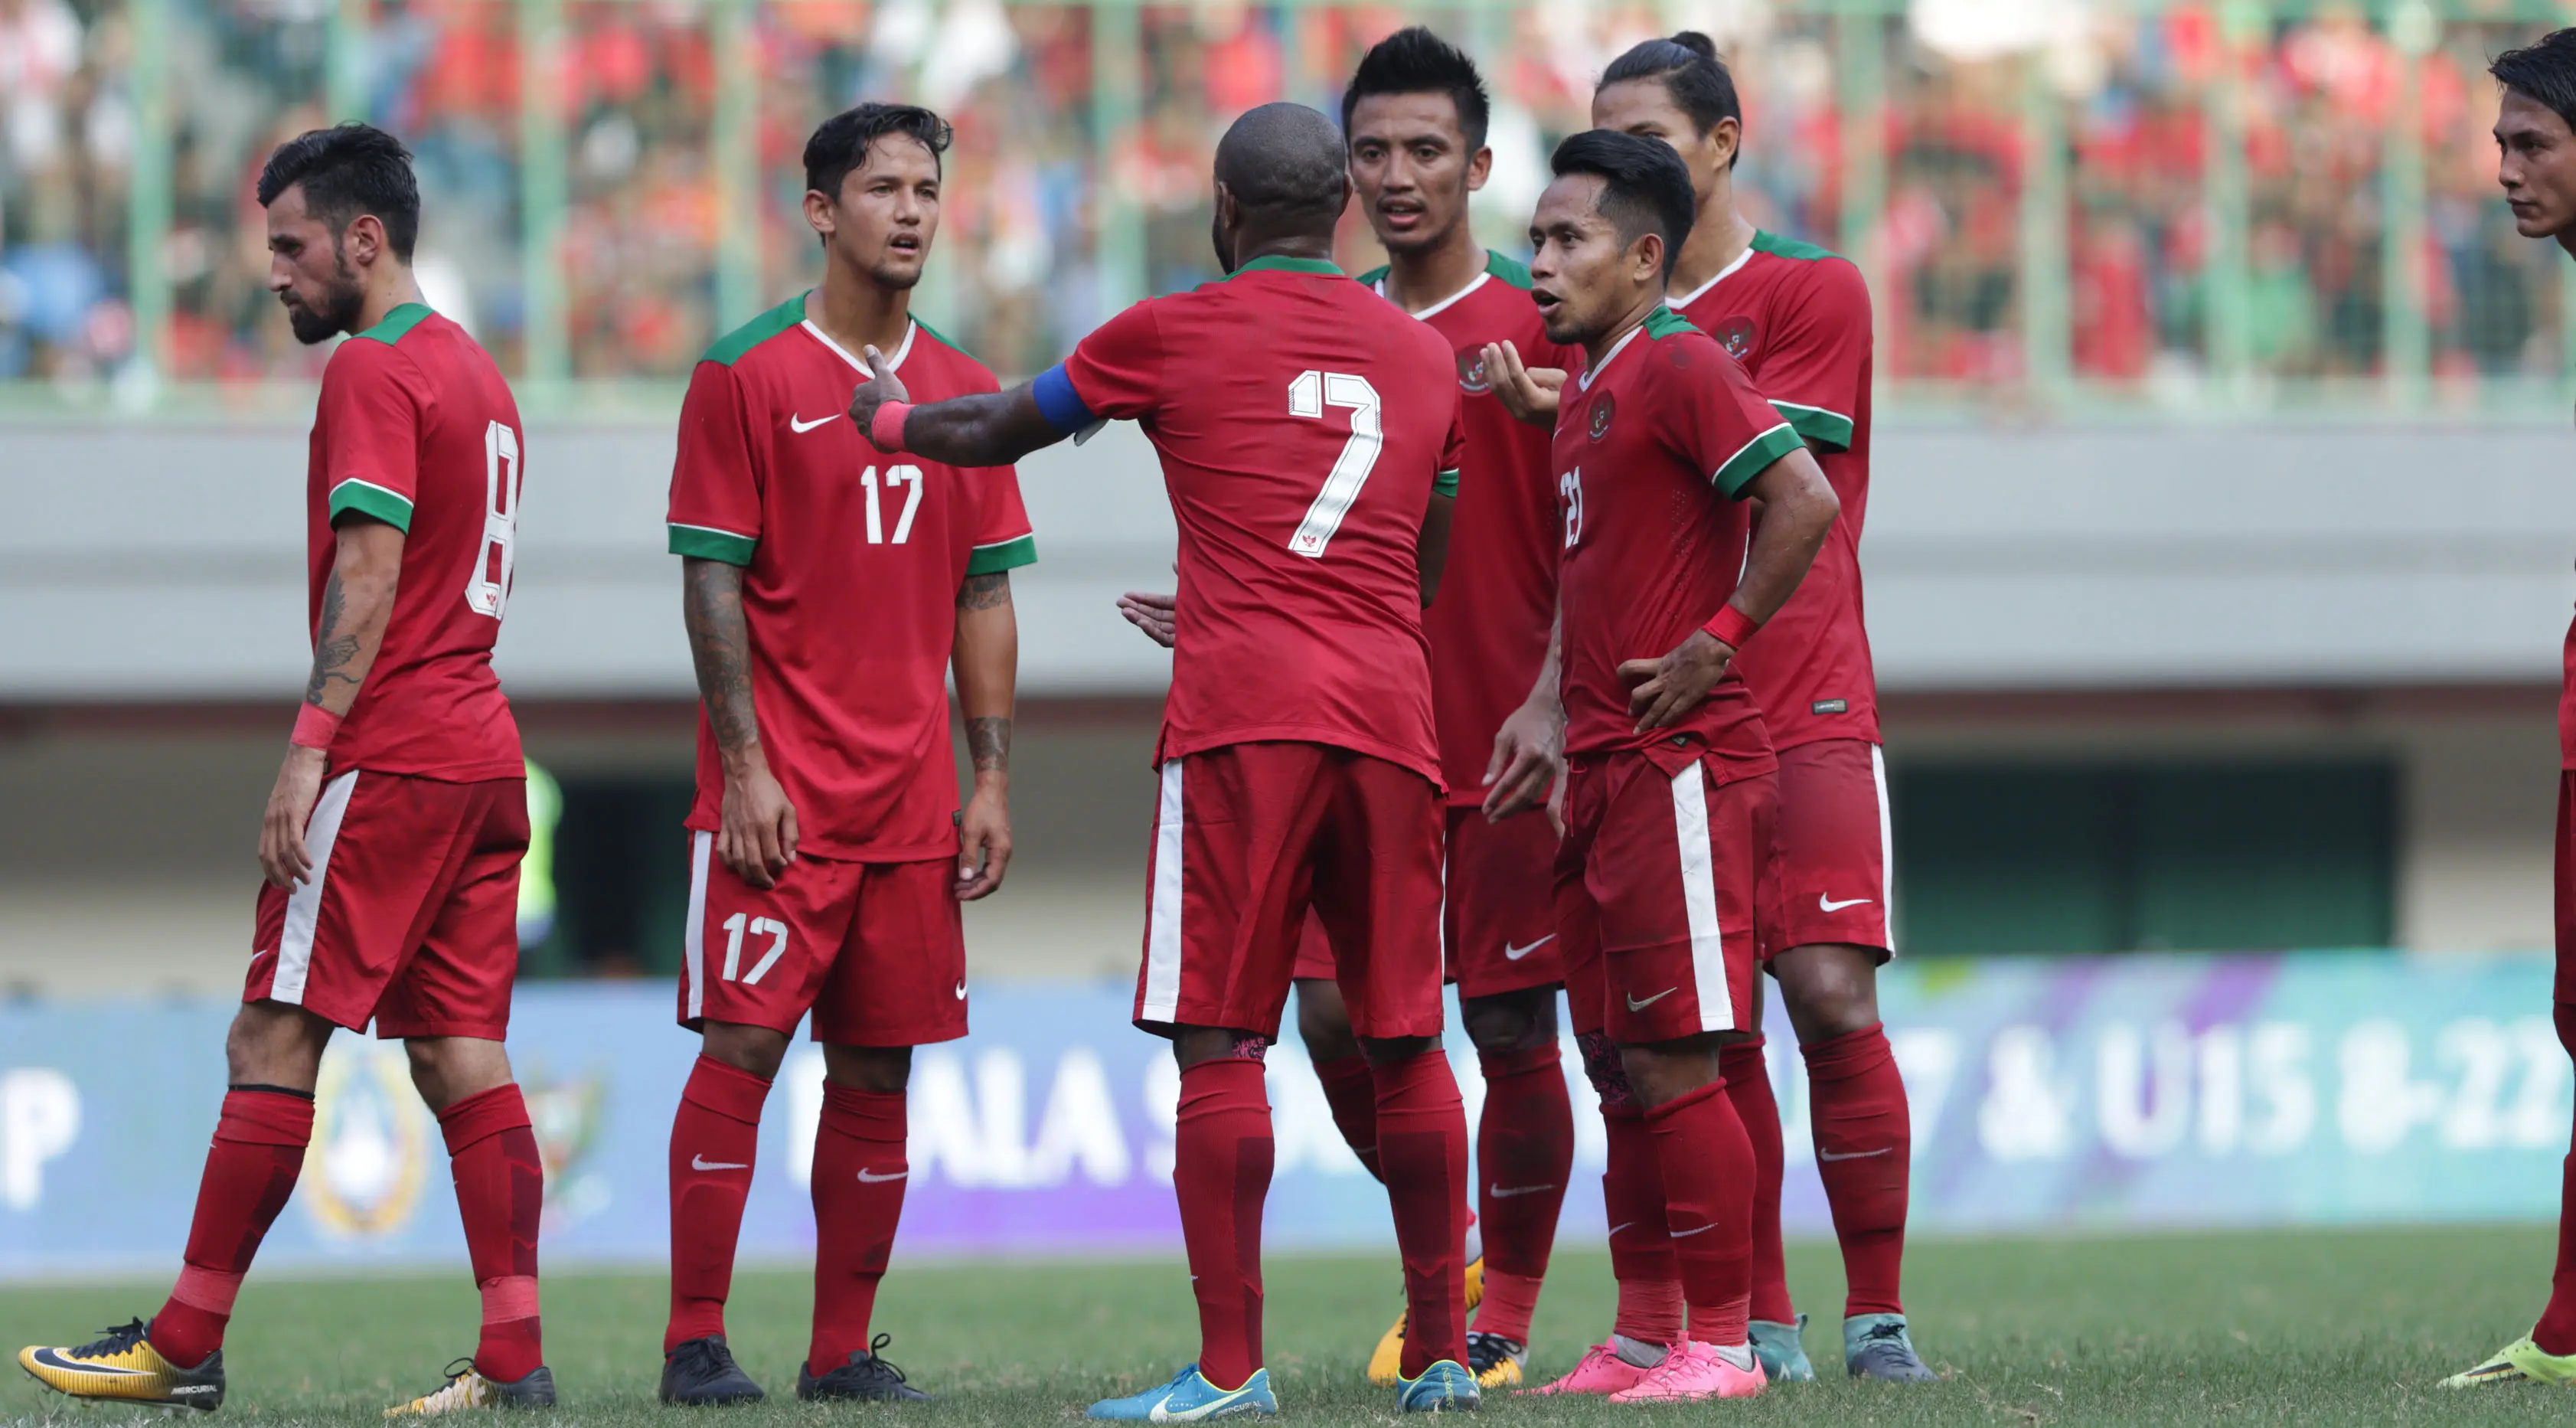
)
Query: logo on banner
[
  {"x": 371, "y": 1142},
  {"x": 568, "y": 1114}
]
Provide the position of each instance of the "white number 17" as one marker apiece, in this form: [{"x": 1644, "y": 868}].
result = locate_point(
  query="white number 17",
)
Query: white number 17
[{"x": 1308, "y": 395}]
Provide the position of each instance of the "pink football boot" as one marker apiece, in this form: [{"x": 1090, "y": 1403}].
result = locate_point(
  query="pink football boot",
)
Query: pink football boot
[
  {"x": 1602, "y": 1371},
  {"x": 1693, "y": 1371}
]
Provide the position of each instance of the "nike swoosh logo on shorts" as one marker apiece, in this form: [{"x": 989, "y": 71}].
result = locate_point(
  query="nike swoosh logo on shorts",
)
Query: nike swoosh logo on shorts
[
  {"x": 1854, "y": 1154},
  {"x": 1623, "y": 1225},
  {"x": 1514, "y": 954},
  {"x": 801, "y": 426},
  {"x": 870, "y": 1178},
  {"x": 1826, "y": 904},
  {"x": 1504, "y": 1193},
  {"x": 1636, "y": 1005},
  {"x": 1686, "y": 1234},
  {"x": 961, "y": 991},
  {"x": 700, "y": 1162}
]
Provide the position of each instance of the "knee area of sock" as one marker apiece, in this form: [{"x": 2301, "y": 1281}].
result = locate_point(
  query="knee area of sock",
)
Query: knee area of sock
[
  {"x": 1421, "y": 1081},
  {"x": 1673, "y": 1108},
  {"x": 864, "y": 1113},
  {"x": 726, "y": 1090},
  {"x": 1516, "y": 1061},
  {"x": 1852, "y": 1053},
  {"x": 283, "y": 1118},
  {"x": 1744, "y": 1060},
  {"x": 483, "y": 1115}
]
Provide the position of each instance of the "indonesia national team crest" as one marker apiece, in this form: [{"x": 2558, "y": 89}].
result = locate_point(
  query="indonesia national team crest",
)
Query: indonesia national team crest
[
  {"x": 371, "y": 1142},
  {"x": 1736, "y": 335},
  {"x": 1471, "y": 374},
  {"x": 1603, "y": 409}
]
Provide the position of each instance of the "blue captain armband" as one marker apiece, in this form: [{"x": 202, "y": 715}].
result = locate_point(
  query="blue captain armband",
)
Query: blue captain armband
[{"x": 1059, "y": 403}]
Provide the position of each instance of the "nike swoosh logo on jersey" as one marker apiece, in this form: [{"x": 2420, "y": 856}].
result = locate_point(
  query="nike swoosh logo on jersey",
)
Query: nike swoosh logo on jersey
[
  {"x": 801, "y": 426},
  {"x": 1686, "y": 1234},
  {"x": 1636, "y": 1005},
  {"x": 700, "y": 1162},
  {"x": 1514, "y": 954},
  {"x": 1500, "y": 1192},
  {"x": 867, "y": 1177},
  {"x": 1853, "y": 1154},
  {"x": 1826, "y": 904},
  {"x": 961, "y": 991}
]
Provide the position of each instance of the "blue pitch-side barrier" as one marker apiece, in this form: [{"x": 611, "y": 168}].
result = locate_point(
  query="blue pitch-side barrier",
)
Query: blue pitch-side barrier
[{"x": 2102, "y": 1092}]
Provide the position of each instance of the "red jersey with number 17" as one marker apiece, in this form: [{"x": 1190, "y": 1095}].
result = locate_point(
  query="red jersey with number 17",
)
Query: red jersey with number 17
[
  {"x": 1797, "y": 317},
  {"x": 1654, "y": 448},
  {"x": 415, "y": 428},
  {"x": 1302, "y": 422}
]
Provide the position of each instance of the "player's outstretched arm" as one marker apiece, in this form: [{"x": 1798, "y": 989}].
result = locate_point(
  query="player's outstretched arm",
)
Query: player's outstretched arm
[
  {"x": 1431, "y": 548},
  {"x": 757, "y": 839},
  {"x": 1528, "y": 393},
  {"x": 985, "y": 429},
  {"x": 1798, "y": 509},
  {"x": 986, "y": 656},
  {"x": 357, "y": 603}
]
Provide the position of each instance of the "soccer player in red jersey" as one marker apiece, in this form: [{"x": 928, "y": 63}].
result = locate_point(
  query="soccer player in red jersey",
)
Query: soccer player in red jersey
[
  {"x": 2535, "y": 134},
  {"x": 1670, "y": 792},
  {"x": 393, "y": 836},
  {"x": 1414, "y": 119},
  {"x": 829, "y": 590},
  {"x": 1310, "y": 435}
]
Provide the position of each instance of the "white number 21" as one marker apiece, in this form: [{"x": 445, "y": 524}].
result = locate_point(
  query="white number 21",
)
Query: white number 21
[{"x": 1308, "y": 395}]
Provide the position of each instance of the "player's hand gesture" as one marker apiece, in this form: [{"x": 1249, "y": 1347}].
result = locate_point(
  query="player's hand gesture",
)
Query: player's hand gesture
[
  {"x": 1528, "y": 765},
  {"x": 881, "y": 387},
  {"x": 758, "y": 840},
  {"x": 1528, "y": 393},
  {"x": 983, "y": 841},
  {"x": 1159, "y": 616},
  {"x": 1674, "y": 685},
  {"x": 282, "y": 854}
]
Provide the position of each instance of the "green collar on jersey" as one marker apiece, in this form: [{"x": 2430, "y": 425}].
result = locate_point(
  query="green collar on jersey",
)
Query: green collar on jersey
[
  {"x": 1288, "y": 265},
  {"x": 396, "y": 323},
  {"x": 1664, "y": 322},
  {"x": 1496, "y": 265},
  {"x": 1779, "y": 247}
]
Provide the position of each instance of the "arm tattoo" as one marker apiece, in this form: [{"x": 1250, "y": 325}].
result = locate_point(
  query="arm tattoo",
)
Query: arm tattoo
[
  {"x": 333, "y": 648},
  {"x": 989, "y": 740},
  {"x": 720, "y": 645},
  {"x": 985, "y": 592}
]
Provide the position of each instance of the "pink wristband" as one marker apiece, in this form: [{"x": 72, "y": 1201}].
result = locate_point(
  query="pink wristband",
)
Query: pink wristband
[
  {"x": 1731, "y": 628},
  {"x": 886, "y": 428},
  {"x": 314, "y": 727}
]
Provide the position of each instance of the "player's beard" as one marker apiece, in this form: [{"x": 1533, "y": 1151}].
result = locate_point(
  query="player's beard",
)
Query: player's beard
[
  {"x": 343, "y": 299},
  {"x": 894, "y": 279}
]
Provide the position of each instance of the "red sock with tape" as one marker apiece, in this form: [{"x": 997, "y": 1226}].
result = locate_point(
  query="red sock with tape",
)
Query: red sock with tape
[
  {"x": 1524, "y": 1157},
  {"x": 501, "y": 1195},
  {"x": 1708, "y": 1203},
  {"x": 250, "y": 1173}
]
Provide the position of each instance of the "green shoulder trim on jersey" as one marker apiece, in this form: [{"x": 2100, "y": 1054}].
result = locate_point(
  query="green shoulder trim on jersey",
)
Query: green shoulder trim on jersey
[
  {"x": 1003, "y": 555},
  {"x": 1373, "y": 276},
  {"x": 1507, "y": 270},
  {"x": 1664, "y": 322},
  {"x": 1818, "y": 426},
  {"x": 1288, "y": 265},
  {"x": 371, "y": 500},
  {"x": 396, "y": 323},
  {"x": 944, "y": 339},
  {"x": 730, "y": 348},
  {"x": 1779, "y": 247},
  {"x": 1758, "y": 453},
  {"x": 707, "y": 543},
  {"x": 1445, "y": 484}
]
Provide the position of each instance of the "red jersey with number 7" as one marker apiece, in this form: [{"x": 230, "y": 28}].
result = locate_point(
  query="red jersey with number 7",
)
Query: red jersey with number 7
[
  {"x": 415, "y": 428},
  {"x": 1303, "y": 423}
]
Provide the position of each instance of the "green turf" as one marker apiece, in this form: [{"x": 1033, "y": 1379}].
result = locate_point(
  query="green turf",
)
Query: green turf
[{"x": 2345, "y": 1327}]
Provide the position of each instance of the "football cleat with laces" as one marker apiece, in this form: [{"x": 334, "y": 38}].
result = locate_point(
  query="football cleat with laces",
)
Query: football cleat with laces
[
  {"x": 1783, "y": 1351},
  {"x": 1386, "y": 1365},
  {"x": 1495, "y": 1360},
  {"x": 468, "y": 1390},
  {"x": 122, "y": 1365},
  {"x": 866, "y": 1378},
  {"x": 1878, "y": 1346},
  {"x": 702, "y": 1371},
  {"x": 1601, "y": 1372}
]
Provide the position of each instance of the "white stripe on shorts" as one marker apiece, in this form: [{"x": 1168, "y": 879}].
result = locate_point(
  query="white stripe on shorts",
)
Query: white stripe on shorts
[
  {"x": 304, "y": 904},
  {"x": 693, "y": 935},
  {"x": 1699, "y": 901},
  {"x": 1163, "y": 914},
  {"x": 1886, "y": 848}
]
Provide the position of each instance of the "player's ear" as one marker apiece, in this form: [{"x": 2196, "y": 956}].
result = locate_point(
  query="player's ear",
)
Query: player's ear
[
  {"x": 1647, "y": 258},
  {"x": 1728, "y": 136},
  {"x": 1480, "y": 166},
  {"x": 363, "y": 241},
  {"x": 819, "y": 215}
]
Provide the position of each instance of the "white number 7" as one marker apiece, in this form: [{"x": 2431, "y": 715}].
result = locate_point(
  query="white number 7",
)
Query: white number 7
[{"x": 1307, "y": 397}]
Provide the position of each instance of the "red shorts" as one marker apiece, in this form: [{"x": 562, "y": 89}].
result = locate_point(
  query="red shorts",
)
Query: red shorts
[
  {"x": 1247, "y": 838},
  {"x": 2566, "y": 986},
  {"x": 1497, "y": 919},
  {"x": 1655, "y": 892},
  {"x": 877, "y": 951},
  {"x": 411, "y": 916},
  {"x": 1829, "y": 873}
]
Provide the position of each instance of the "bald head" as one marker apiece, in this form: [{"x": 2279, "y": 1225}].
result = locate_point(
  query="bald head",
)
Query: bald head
[{"x": 1286, "y": 167}]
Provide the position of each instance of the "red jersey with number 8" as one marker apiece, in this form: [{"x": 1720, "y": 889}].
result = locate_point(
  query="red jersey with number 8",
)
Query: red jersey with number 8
[
  {"x": 415, "y": 428},
  {"x": 1303, "y": 423}
]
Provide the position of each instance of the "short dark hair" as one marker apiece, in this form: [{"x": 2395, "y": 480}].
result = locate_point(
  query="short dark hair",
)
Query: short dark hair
[
  {"x": 1415, "y": 61},
  {"x": 1286, "y": 162},
  {"x": 2543, "y": 71},
  {"x": 1692, "y": 74},
  {"x": 843, "y": 142},
  {"x": 348, "y": 170},
  {"x": 1645, "y": 186}
]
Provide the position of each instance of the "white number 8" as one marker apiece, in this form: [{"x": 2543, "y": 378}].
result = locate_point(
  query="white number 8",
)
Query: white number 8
[{"x": 487, "y": 590}]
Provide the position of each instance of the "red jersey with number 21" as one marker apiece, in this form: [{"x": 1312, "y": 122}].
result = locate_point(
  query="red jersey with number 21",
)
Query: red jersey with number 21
[
  {"x": 415, "y": 428},
  {"x": 1302, "y": 422},
  {"x": 1654, "y": 448}
]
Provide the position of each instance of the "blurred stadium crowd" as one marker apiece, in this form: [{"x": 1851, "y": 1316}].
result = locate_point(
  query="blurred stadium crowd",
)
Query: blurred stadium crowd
[{"x": 2311, "y": 124}]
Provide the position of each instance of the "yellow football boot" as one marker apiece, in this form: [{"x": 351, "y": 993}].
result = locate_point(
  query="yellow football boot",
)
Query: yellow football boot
[
  {"x": 467, "y": 1390},
  {"x": 2518, "y": 1362},
  {"x": 1386, "y": 1366},
  {"x": 124, "y": 1366}
]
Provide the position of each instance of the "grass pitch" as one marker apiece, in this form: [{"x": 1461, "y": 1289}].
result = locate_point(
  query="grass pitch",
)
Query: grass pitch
[{"x": 2258, "y": 1328}]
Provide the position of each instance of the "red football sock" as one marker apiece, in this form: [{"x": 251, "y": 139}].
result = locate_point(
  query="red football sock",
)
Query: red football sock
[
  {"x": 250, "y": 1172},
  {"x": 2556, "y": 1331},
  {"x": 501, "y": 1195},
  {"x": 1708, "y": 1195},
  {"x": 1221, "y": 1158},
  {"x": 1641, "y": 1250},
  {"x": 1748, "y": 1085},
  {"x": 859, "y": 1175},
  {"x": 1422, "y": 1142},
  {"x": 714, "y": 1139},
  {"x": 1864, "y": 1153},
  {"x": 1524, "y": 1156},
  {"x": 1353, "y": 1097}
]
